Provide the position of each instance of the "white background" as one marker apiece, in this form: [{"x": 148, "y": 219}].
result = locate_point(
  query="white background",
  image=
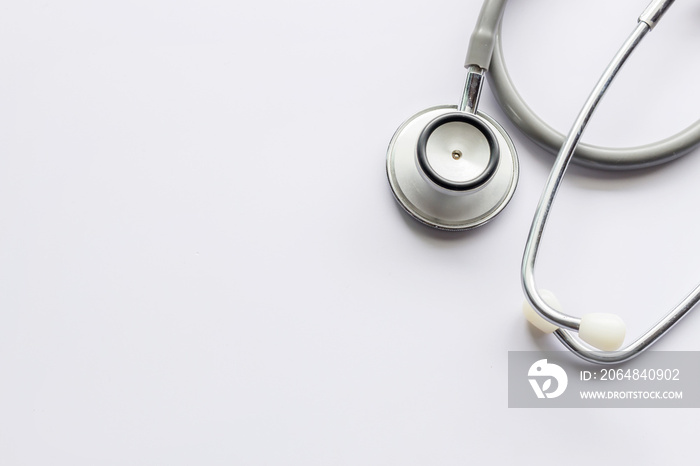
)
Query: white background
[{"x": 201, "y": 261}]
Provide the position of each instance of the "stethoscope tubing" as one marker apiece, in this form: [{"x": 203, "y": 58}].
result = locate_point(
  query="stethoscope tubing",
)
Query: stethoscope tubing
[{"x": 592, "y": 156}]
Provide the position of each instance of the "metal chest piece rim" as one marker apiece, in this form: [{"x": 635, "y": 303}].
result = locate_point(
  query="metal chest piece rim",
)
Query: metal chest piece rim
[{"x": 446, "y": 195}]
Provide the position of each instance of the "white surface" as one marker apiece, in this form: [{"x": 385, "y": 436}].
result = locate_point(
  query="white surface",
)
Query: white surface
[{"x": 202, "y": 262}]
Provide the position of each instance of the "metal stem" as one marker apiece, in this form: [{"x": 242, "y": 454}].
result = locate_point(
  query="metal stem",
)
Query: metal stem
[{"x": 472, "y": 89}]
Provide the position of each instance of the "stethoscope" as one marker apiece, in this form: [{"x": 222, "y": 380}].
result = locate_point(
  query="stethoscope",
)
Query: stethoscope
[{"x": 454, "y": 168}]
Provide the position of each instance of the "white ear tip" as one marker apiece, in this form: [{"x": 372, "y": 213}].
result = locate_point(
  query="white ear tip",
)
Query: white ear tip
[
  {"x": 537, "y": 320},
  {"x": 602, "y": 331}
]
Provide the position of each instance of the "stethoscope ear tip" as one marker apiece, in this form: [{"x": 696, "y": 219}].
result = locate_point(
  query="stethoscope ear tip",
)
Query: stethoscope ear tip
[
  {"x": 604, "y": 332},
  {"x": 537, "y": 320}
]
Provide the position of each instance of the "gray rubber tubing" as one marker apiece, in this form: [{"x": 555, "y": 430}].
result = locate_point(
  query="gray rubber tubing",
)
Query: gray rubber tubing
[
  {"x": 486, "y": 39},
  {"x": 483, "y": 38},
  {"x": 588, "y": 155}
]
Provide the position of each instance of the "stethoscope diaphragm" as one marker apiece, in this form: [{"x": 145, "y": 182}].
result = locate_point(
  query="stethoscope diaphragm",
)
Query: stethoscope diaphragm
[{"x": 452, "y": 170}]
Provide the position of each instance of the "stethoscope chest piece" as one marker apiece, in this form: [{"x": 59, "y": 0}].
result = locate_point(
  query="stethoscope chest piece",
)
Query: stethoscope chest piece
[{"x": 450, "y": 169}]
